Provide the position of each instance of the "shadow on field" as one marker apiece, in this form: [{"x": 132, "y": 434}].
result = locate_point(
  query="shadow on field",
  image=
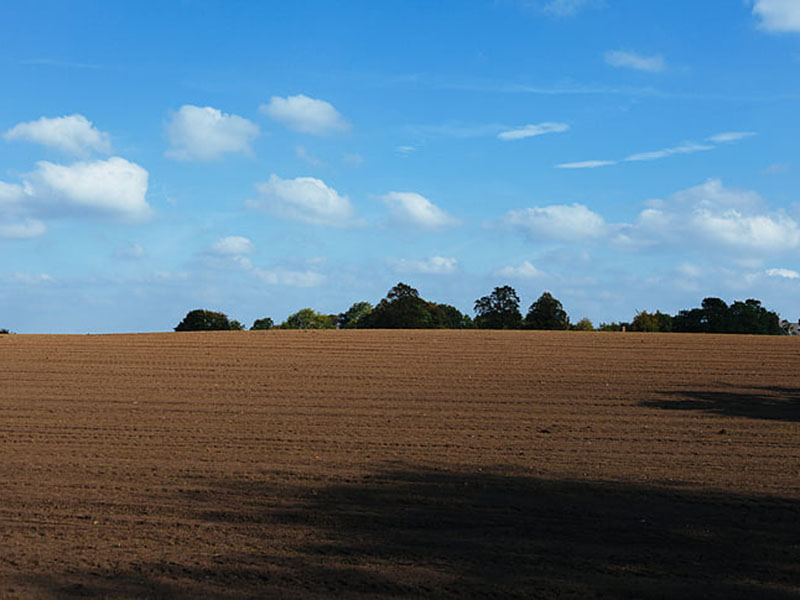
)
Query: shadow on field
[
  {"x": 430, "y": 533},
  {"x": 771, "y": 403}
]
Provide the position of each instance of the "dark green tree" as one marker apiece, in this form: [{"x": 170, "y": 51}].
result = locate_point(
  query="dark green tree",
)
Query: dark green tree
[
  {"x": 546, "y": 313},
  {"x": 352, "y": 317},
  {"x": 498, "y": 310},
  {"x": 262, "y": 324},
  {"x": 716, "y": 315},
  {"x": 207, "y": 320},
  {"x": 657, "y": 321},
  {"x": 402, "y": 308}
]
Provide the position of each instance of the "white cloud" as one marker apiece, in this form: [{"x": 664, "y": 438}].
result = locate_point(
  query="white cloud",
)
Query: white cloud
[
  {"x": 776, "y": 169},
  {"x": 532, "y": 130},
  {"x": 688, "y": 148},
  {"x": 526, "y": 270},
  {"x": 304, "y": 199},
  {"x": 631, "y": 60},
  {"x": 73, "y": 134},
  {"x": 586, "y": 164},
  {"x": 306, "y": 115},
  {"x": 405, "y": 150},
  {"x": 29, "y": 279},
  {"x": 233, "y": 245},
  {"x": 303, "y": 279},
  {"x": 778, "y": 15},
  {"x": 567, "y": 8},
  {"x": 111, "y": 188},
  {"x": 29, "y": 228},
  {"x": 409, "y": 208},
  {"x": 558, "y": 222},
  {"x": 731, "y": 136},
  {"x": 711, "y": 215},
  {"x": 784, "y": 273},
  {"x": 436, "y": 265},
  {"x": 205, "y": 134}
]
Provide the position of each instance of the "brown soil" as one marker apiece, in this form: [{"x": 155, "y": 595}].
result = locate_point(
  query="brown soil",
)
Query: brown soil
[{"x": 376, "y": 464}]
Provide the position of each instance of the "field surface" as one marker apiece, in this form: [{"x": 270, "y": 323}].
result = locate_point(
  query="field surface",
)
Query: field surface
[{"x": 369, "y": 464}]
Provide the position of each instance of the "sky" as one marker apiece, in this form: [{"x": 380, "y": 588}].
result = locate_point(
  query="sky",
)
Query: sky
[{"x": 256, "y": 158}]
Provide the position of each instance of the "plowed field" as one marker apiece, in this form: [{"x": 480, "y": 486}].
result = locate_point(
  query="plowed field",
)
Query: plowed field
[{"x": 370, "y": 464}]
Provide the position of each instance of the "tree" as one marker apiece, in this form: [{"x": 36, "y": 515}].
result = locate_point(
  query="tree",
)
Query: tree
[
  {"x": 401, "y": 309},
  {"x": 583, "y": 325},
  {"x": 498, "y": 310},
  {"x": 546, "y": 313},
  {"x": 657, "y": 321},
  {"x": 262, "y": 324},
  {"x": 206, "y": 320},
  {"x": 4, "y": 331},
  {"x": 306, "y": 318},
  {"x": 449, "y": 317},
  {"x": 352, "y": 317}
]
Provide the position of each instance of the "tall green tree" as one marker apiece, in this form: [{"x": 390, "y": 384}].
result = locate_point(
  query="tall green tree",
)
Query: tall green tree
[
  {"x": 498, "y": 310},
  {"x": 352, "y": 317},
  {"x": 546, "y": 313},
  {"x": 262, "y": 324}
]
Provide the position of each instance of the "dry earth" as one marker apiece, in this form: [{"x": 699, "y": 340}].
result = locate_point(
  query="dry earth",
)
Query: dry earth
[{"x": 410, "y": 463}]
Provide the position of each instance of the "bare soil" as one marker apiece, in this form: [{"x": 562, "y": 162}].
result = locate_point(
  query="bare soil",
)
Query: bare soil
[{"x": 373, "y": 464}]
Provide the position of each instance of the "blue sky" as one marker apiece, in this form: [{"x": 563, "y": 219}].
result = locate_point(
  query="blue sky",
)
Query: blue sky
[{"x": 257, "y": 158}]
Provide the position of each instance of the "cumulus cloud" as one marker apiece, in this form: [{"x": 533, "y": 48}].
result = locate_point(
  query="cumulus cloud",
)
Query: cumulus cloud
[
  {"x": 73, "y": 134},
  {"x": 205, "y": 134},
  {"x": 306, "y": 115},
  {"x": 631, "y": 60},
  {"x": 713, "y": 215},
  {"x": 784, "y": 273},
  {"x": 558, "y": 222},
  {"x": 113, "y": 188},
  {"x": 526, "y": 270},
  {"x": 436, "y": 265},
  {"x": 304, "y": 199},
  {"x": 778, "y": 15},
  {"x": 586, "y": 164},
  {"x": 412, "y": 209},
  {"x": 233, "y": 245},
  {"x": 532, "y": 130}
]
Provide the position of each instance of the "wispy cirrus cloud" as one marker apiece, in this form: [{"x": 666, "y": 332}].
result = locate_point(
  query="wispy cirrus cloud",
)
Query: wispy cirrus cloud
[
  {"x": 684, "y": 148},
  {"x": 586, "y": 164},
  {"x": 532, "y": 131},
  {"x": 687, "y": 148},
  {"x": 632, "y": 60}
]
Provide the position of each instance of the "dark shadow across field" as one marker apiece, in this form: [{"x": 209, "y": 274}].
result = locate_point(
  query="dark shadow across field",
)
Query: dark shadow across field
[
  {"x": 431, "y": 533},
  {"x": 772, "y": 403}
]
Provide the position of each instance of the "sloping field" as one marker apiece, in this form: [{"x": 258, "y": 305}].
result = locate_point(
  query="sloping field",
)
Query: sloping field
[{"x": 376, "y": 464}]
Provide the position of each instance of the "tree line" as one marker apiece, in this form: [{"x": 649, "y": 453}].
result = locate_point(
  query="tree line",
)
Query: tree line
[{"x": 403, "y": 308}]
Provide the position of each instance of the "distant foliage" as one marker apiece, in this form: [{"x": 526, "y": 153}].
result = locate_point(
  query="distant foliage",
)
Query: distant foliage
[
  {"x": 715, "y": 316},
  {"x": 306, "y": 318},
  {"x": 351, "y": 319},
  {"x": 657, "y": 321},
  {"x": 262, "y": 324},
  {"x": 547, "y": 313},
  {"x": 584, "y": 324},
  {"x": 4, "y": 331},
  {"x": 206, "y": 320},
  {"x": 498, "y": 310},
  {"x": 402, "y": 308}
]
